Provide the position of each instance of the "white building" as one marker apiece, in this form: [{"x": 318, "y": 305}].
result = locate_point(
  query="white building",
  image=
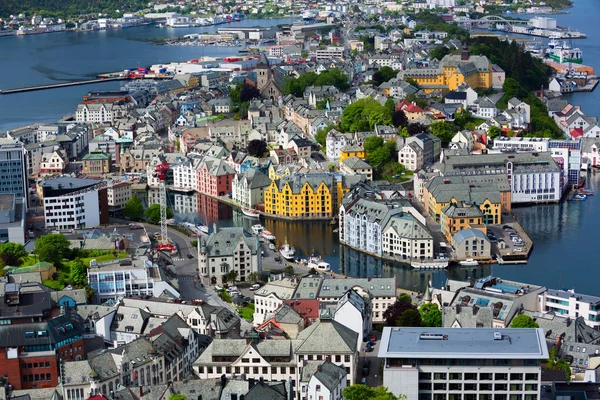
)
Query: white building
[
  {"x": 477, "y": 363},
  {"x": 12, "y": 219},
  {"x": 185, "y": 174},
  {"x": 334, "y": 142},
  {"x": 118, "y": 193},
  {"x": 330, "y": 52},
  {"x": 73, "y": 203},
  {"x": 247, "y": 188},
  {"x": 569, "y": 304},
  {"x": 228, "y": 249},
  {"x": 411, "y": 156},
  {"x": 354, "y": 311},
  {"x": 323, "y": 381},
  {"x": 100, "y": 113},
  {"x": 405, "y": 238},
  {"x": 271, "y": 296},
  {"x": 120, "y": 278}
]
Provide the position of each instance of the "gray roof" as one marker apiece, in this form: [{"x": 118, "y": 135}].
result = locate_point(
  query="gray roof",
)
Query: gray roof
[
  {"x": 377, "y": 287},
  {"x": 406, "y": 226},
  {"x": 326, "y": 337},
  {"x": 564, "y": 294},
  {"x": 224, "y": 241},
  {"x": 287, "y": 315},
  {"x": 356, "y": 163},
  {"x": 467, "y": 317},
  {"x": 465, "y": 343},
  {"x": 255, "y": 178},
  {"x": 308, "y": 288},
  {"x": 454, "y": 210},
  {"x": 491, "y": 164},
  {"x": 465, "y": 234},
  {"x": 330, "y": 375},
  {"x": 268, "y": 391}
]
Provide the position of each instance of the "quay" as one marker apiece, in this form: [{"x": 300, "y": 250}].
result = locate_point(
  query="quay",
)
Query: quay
[{"x": 60, "y": 85}]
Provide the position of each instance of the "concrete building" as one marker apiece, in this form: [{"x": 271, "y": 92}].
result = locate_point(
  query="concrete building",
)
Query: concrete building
[
  {"x": 471, "y": 243},
  {"x": 330, "y": 52},
  {"x": 13, "y": 168},
  {"x": 272, "y": 296},
  {"x": 73, "y": 203},
  {"x": 247, "y": 188},
  {"x": 568, "y": 304},
  {"x": 468, "y": 363},
  {"x": 12, "y": 219},
  {"x": 225, "y": 250},
  {"x": 118, "y": 193}
]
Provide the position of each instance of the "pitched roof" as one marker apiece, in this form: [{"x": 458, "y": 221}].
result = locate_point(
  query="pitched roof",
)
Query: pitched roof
[
  {"x": 327, "y": 336},
  {"x": 465, "y": 234}
]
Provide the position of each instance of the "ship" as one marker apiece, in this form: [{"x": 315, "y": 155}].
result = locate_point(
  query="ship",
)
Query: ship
[
  {"x": 563, "y": 52},
  {"x": 318, "y": 264},
  {"x": 287, "y": 251}
]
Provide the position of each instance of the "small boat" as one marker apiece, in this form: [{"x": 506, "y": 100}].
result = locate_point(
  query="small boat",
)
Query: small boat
[
  {"x": 267, "y": 235},
  {"x": 257, "y": 229},
  {"x": 250, "y": 213},
  {"x": 579, "y": 197},
  {"x": 469, "y": 262},
  {"x": 317, "y": 263},
  {"x": 203, "y": 228},
  {"x": 431, "y": 264},
  {"x": 287, "y": 251}
]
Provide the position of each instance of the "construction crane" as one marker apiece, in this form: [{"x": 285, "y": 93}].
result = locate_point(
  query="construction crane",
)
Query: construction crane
[{"x": 160, "y": 172}]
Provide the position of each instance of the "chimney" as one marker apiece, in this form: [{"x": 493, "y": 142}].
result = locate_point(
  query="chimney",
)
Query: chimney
[
  {"x": 464, "y": 54},
  {"x": 458, "y": 308},
  {"x": 327, "y": 359},
  {"x": 319, "y": 368}
]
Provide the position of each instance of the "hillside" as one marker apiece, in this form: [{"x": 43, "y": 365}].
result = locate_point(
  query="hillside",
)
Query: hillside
[{"x": 68, "y": 8}]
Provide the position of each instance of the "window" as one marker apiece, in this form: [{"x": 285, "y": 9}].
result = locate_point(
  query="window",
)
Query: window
[{"x": 318, "y": 388}]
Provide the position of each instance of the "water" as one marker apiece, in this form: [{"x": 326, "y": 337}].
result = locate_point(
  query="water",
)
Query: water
[
  {"x": 563, "y": 234},
  {"x": 70, "y": 56}
]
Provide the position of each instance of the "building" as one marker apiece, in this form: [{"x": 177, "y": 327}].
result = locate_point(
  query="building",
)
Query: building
[
  {"x": 315, "y": 196},
  {"x": 407, "y": 239},
  {"x": 352, "y": 150},
  {"x": 13, "y": 168},
  {"x": 53, "y": 163},
  {"x": 568, "y": 304},
  {"x": 247, "y": 188},
  {"x": 214, "y": 177},
  {"x": 127, "y": 277},
  {"x": 118, "y": 194},
  {"x": 322, "y": 381},
  {"x": 226, "y": 250},
  {"x": 96, "y": 163},
  {"x": 426, "y": 363},
  {"x": 330, "y": 52},
  {"x": 335, "y": 141},
  {"x": 354, "y": 310},
  {"x": 12, "y": 219},
  {"x": 456, "y": 217},
  {"x": 272, "y": 296},
  {"x": 356, "y": 166},
  {"x": 74, "y": 203},
  {"x": 411, "y": 156},
  {"x": 471, "y": 243}
]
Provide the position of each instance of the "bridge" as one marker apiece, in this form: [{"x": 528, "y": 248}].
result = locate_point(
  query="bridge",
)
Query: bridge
[
  {"x": 60, "y": 85},
  {"x": 495, "y": 19}
]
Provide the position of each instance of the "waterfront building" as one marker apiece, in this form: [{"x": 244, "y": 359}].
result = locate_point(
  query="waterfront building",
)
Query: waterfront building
[
  {"x": 74, "y": 203},
  {"x": 471, "y": 243},
  {"x": 533, "y": 177},
  {"x": 272, "y": 296},
  {"x": 12, "y": 218},
  {"x": 214, "y": 177},
  {"x": 315, "y": 196},
  {"x": 456, "y": 217},
  {"x": 405, "y": 238},
  {"x": 247, "y": 188},
  {"x": 13, "y": 168},
  {"x": 507, "y": 298},
  {"x": 184, "y": 174},
  {"x": 225, "y": 250},
  {"x": 96, "y": 163},
  {"x": 356, "y": 166},
  {"x": 277, "y": 360},
  {"x": 101, "y": 113},
  {"x": 127, "y": 277},
  {"x": 571, "y": 305},
  {"x": 452, "y": 71},
  {"x": 475, "y": 362}
]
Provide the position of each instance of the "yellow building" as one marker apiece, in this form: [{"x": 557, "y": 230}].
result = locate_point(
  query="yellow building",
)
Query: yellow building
[
  {"x": 351, "y": 150},
  {"x": 307, "y": 196},
  {"x": 279, "y": 171},
  {"x": 456, "y": 217},
  {"x": 453, "y": 70}
]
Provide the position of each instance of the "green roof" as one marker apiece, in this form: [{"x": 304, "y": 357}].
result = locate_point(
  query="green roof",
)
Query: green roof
[{"x": 97, "y": 155}]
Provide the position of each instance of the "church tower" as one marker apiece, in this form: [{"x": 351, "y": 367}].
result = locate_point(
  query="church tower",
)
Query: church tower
[{"x": 263, "y": 72}]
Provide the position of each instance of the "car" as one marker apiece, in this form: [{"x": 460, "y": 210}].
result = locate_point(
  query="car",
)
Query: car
[
  {"x": 367, "y": 363},
  {"x": 505, "y": 227},
  {"x": 134, "y": 226},
  {"x": 277, "y": 258},
  {"x": 248, "y": 299},
  {"x": 232, "y": 289},
  {"x": 369, "y": 349},
  {"x": 363, "y": 381},
  {"x": 366, "y": 371},
  {"x": 254, "y": 287},
  {"x": 372, "y": 339},
  {"x": 190, "y": 256},
  {"x": 218, "y": 288}
]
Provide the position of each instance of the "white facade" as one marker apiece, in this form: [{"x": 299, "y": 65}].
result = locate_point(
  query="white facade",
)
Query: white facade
[
  {"x": 118, "y": 193},
  {"x": 320, "y": 389},
  {"x": 72, "y": 211},
  {"x": 535, "y": 187},
  {"x": 184, "y": 176},
  {"x": 334, "y": 142},
  {"x": 330, "y": 52},
  {"x": 271, "y": 296},
  {"x": 478, "y": 363},
  {"x": 569, "y": 304},
  {"x": 414, "y": 243},
  {"x": 360, "y": 231},
  {"x": 410, "y": 157},
  {"x": 99, "y": 113}
]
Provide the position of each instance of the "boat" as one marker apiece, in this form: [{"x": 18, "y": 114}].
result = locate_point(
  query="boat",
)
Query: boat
[
  {"x": 580, "y": 197},
  {"x": 563, "y": 53},
  {"x": 203, "y": 228},
  {"x": 469, "y": 262},
  {"x": 431, "y": 264},
  {"x": 272, "y": 246},
  {"x": 160, "y": 26},
  {"x": 257, "y": 229},
  {"x": 267, "y": 235},
  {"x": 250, "y": 213},
  {"x": 587, "y": 192},
  {"x": 287, "y": 251},
  {"x": 317, "y": 263}
]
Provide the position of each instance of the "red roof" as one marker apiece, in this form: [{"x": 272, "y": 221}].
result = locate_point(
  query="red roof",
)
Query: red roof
[
  {"x": 576, "y": 133},
  {"x": 307, "y": 308},
  {"x": 406, "y": 105}
]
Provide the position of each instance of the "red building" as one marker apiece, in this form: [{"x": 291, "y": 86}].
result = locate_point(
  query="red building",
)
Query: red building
[
  {"x": 214, "y": 177},
  {"x": 106, "y": 97}
]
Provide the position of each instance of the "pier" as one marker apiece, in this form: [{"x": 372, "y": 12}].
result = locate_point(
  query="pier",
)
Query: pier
[{"x": 60, "y": 85}]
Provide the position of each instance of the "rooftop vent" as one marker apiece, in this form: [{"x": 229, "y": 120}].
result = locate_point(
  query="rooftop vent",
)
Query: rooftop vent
[
  {"x": 433, "y": 336},
  {"x": 497, "y": 336}
]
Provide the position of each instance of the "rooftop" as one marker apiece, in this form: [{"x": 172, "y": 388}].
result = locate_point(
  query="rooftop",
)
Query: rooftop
[{"x": 465, "y": 343}]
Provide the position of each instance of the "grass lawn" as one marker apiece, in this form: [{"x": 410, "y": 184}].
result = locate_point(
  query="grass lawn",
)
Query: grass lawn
[
  {"x": 405, "y": 176},
  {"x": 247, "y": 312},
  {"x": 225, "y": 296},
  {"x": 105, "y": 257}
]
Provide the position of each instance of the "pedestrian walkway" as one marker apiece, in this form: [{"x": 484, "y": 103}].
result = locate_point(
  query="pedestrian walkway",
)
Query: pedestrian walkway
[
  {"x": 185, "y": 278},
  {"x": 178, "y": 259}
]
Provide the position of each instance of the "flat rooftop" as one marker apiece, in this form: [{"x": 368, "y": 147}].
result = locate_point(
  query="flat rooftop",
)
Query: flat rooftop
[
  {"x": 471, "y": 343},
  {"x": 7, "y": 202}
]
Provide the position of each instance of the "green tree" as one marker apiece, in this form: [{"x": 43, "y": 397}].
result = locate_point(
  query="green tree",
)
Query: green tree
[
  {"x": 289, "y": 270},
  {"x": 364, "y": 392},
  {"x": 152, "y": 213},
  {"x": 253, "y": 277},
  {"x": 133, "y": 209},
  {"x": 177, "y": 397},
  {"x": 431, "y": 315},
  {"x": 78, "y": 273},
  {"x": 410, "y": 317},
  {"x": 378, "y": 156},
  {"x": 493, "y": 132},
  {"x": 52, "y": 248},
  {"x": 11, "y": 254},
  {"x": 404, "y": 298},
  {"x": 384, "y": 75},
  {"x": 321, "y": 136},
  {"x": 399, "y": 118},
  {"x": 364, "y": 114},
  {"x": 557, "y": 364},
  {"x": 444, "y": 130},
  {"x": 523, "y": 321},
  {"x": 390, "y": 105},
  {"x": 321, "y": 104},
  {"x": 439, "y": 52},
  {"x": 232, "y": 276},
  {"x": 257, "y": 148},
  {"x": 372, "y": 143}
]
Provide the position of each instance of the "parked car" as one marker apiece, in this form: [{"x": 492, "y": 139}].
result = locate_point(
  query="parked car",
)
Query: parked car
[
  {"x": 134, "y": 226},
  {"x": 372, "y": 339},
  {"x": 190, "y": 256},
  {"x": 255, "y": 286},
  {"x": 232, "y": 289},
  {"x": 507, "y": 227},
  {"x": 369, "y": 348},
  {"x": 277, "y": 258}
]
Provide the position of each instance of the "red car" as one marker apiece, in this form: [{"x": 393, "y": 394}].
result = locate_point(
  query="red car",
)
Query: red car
[{"x": 372, "y": 339}]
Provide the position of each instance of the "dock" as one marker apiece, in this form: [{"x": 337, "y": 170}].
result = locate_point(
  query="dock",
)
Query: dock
[{"x": 60, "y": 85}]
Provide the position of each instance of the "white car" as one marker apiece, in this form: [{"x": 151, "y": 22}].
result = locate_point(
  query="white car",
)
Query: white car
[{"x": 256, "y": 286}]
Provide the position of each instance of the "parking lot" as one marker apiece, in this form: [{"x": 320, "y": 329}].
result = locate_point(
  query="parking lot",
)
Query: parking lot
[
  {"x": 374, "y": 377},
  {"x": 508, "y": 240}
]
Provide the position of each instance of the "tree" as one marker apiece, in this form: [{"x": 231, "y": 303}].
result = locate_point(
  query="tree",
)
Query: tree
[
  {"x": 493, "y": 132},
  {"x": 177, "y": 397},
  {"x": 410, "y": 317},
  {"x": 404, "y": 298},
  {"x": 442, "y": 130},
  {"x": 257, "y": 148},
  {"x": 383, "y": 75},
  {"x": 78, "y": 273},
  {"x": 439, "y": 52},
  {"x": 364, "y": 392},
  {"x": 364, "y": 114},
  {"x": 52, "y": 248},
  {"x": 378, "y": 156},
  {"x": 232, "y": 276},
  {"x": 312, "y": 271},
  {"x": 393, "y": 313},
  {"x": 321, "y": 136},
  {"x": 321, "y": 104},
  {"x": 152, "y": 213},
  {"x": 557, "y": 364},
  {"x": 11, "y": 254},
  {"x": 253, "y": 277},
  {"x": 248, "y": 92},
  {"x": 431, "y": 315},
  {"x": 372, "y": 143},
  {"x": 133, "y": 209},
  {"x": 390, "y": 105},
  {"x": 523, "y": 321},
  {"x": 399, "y": 118},
  {"x": 417, "y": 128},
  {"x": 289, "y": 270}
]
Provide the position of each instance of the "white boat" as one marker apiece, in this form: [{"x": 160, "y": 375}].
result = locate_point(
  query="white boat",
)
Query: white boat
[
  {"x": 202, "y": 227},
  {"x": 469, "y": 262},
  {"x": 267, "y": 235},
  {"x": 257, "y": 229},
  {"x": 287, "y": 251},
  {"x": 250, "y": 213},
  {"x": 431, "y": 264},
  {"x": 317, "y": 263}
]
